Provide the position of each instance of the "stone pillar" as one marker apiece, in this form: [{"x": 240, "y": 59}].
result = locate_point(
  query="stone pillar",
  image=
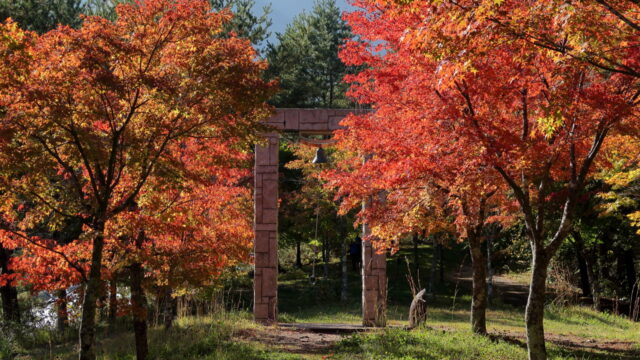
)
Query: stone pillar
[
  {"x": 374, "y": 283},
  {"x": 265, "y": 284}
]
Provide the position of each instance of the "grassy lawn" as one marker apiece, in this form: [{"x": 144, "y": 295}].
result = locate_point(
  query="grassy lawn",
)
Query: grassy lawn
[
  {"x": 448, "y": 336},
  {"x": 573, "y": 332},
  {"x": 458, "y": 345},
  {"x": 217, "y": 337},
  {"x": 575, "y": 321},
  {"x": 235, "y": 336}
]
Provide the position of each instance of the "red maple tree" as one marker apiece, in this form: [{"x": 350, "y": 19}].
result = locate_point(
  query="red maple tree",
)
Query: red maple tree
[
  {"x": 93, "y": 114},
  {"x": 449, "y": 82}
]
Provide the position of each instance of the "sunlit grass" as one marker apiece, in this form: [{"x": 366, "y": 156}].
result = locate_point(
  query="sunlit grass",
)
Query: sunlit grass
[
  {"x": 577, "y": 321},
  {"x": 446, "y": 336},
  {"x": 437, "y": 344},
  {"x": 211, "y": 337}
]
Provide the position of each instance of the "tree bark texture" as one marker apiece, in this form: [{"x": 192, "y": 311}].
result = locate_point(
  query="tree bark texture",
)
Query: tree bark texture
[
  {"x": 92, "y": 290},
  {"x": 62, "y": 311},
  {"x": 479, "y": 296},
  {"x": 139, "y": 304},
  {"x": 534, "y": 313},
  {"x": 9, "y": 293}
]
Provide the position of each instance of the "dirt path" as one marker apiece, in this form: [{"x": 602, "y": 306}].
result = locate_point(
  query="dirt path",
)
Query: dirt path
[
  {"x": 294, "y": 341},
  {"x": 306, "y": 342},
  {"x": 623, "y": 349}
]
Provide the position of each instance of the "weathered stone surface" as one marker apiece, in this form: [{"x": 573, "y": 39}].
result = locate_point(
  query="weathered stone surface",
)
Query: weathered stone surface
[
  {"x": 262, "y": 243},
  {"x": 269, "y": 283},
  {"x": 292, "y": 119},
  {"x": 309, "y": 119},
  {"x": 270, "y": 194},
  {"x": 263, "y": 261},
  {"x": 374, "y": 284},
  {"x": 266, "y": 230},
  {"x": 277, "y": 118},
  {"x": 266, "y": 227},
  {"x": 261, "y": 311},
  {"x": 334, "y": 122},
  {"x": 266, "y": 220},
  {"x": 262, "y": 155}
]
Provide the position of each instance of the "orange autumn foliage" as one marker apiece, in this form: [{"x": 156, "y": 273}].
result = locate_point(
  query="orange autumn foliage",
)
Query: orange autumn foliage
[{"x": 91, "y": 120}]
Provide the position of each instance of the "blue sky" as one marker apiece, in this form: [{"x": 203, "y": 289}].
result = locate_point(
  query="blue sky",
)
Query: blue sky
[{"x": 283, "y": 11}]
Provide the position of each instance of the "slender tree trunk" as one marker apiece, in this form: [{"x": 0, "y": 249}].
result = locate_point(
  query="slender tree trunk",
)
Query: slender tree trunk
[
  {"x": 479, "y": 297},
  {"x": 113, "y": 300},
  {"x": 168, "y": 314},
  {"x": 582, "y": 268},
  {"x": 325, "y": 258},
  {"x": 62, "y": 311},
  {"x": 298, "y": 255},
  {"x": 139, "y": 305},
  {"x": 630, "y": 270},
  {"x": 534, "y": 313},
  {"x": 490, "y": 266},
  {"x": 10, "y": 305},
  {"x": 345, "y": 275},
  {"x": 434, "y": 256},
  {"x": 594, "y": 284},
  {"x": 92, "y": 291},
  {"x": 9, "y": 293},
  {"x": 602, "y": 266},
  {"x": 591, "y": 276},
  {"x": 139, "y": 302},
  {"x": 633, "y": 282},
  {"x": 440, "y": 264}
]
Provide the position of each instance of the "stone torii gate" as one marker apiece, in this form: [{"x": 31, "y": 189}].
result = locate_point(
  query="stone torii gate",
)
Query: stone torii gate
[{"x": 265, "y": 283}]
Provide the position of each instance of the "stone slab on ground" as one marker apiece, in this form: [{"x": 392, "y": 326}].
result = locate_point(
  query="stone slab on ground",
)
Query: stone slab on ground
[{"x": 333, "y": 328}]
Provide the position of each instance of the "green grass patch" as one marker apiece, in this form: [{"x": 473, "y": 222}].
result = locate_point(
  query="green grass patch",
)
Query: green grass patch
[
  {"x": 425, "y": 344},
  {"x": 201, "y": 338},
  {"x": 430, "y": 344}
]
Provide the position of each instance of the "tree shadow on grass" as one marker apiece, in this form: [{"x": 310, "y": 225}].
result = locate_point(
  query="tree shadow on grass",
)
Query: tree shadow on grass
[{"x": 576, "y": 349}]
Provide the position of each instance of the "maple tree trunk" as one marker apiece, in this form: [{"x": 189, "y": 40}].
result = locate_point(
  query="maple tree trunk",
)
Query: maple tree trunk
[
  {"x": 113, "y": 300},
  {"x": 479, "y": 296},
  {"x": 91, "y": 293},
  {"x": 62, "y": 311},
  {"x": 138, "y": 302},
  {"x": 10, "y": 307},
  {"x": 9, "y": 294},
  {"x": 534, "y": 313},
  {"x": 490, "y": 268}
]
